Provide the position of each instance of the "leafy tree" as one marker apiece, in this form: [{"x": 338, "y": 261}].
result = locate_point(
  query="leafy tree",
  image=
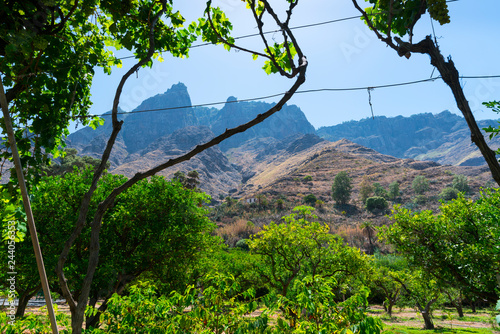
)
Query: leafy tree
[
  {"x": 341, "y": 188},
  {"x": 448, "y": 193},
  {"x": 461, "y": 183},
  {"x": 422, "y": 292},
  {"x": 297, "y": 249},
  {"x": 420, "y": 184},
  {"x": 456, "y": 247},
  {"x": 365, "y": 190},
  {"x": 399, "y": 17},
  {"x": 165, "y": 240},
  {"x": 394, "y": 191},
  {"x": 376, "y": 203},
  {"x": 388, "y": 268}
]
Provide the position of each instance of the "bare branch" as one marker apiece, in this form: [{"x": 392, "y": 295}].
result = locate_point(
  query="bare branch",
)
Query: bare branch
[{"x": 225, "y": 41}]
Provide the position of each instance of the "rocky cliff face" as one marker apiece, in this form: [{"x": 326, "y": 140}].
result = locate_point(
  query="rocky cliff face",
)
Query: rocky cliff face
[
  {"x": 444, "y": 137},
  {"x": 143, "y": 128},
  {"x": 150, "y": 136}
]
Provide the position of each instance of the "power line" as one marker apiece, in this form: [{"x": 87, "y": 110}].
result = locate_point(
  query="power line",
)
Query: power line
[{"x": 345, "y": 89}]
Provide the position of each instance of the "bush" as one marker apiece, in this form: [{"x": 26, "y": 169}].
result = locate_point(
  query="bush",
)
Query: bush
[
  {"x": 447, "y": 194},
  {"x": 379, "y": 191},
  {"x": 307, "y": 178},
  {"x": 461, "y": 183},
  {"x": 376, "y": 202},
  {"x": 420, "y": 200},
  {"x": 309, "y": 199},
  {"x": 420, "y": 184},
  {"x": 242, "y": 244}
]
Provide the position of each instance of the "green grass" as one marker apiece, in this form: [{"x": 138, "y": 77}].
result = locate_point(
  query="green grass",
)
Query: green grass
[{"x": 398, "y": 329}]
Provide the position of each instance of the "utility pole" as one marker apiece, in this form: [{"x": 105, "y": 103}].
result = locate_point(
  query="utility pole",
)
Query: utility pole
[{"x": 27, "y": 208}]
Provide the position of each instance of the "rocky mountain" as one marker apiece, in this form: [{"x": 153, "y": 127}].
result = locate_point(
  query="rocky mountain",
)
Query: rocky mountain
[
  {"x": 443, "y": 137},
  {"x": 172, "y": 111},
  {"x": 166, "y": 126}
]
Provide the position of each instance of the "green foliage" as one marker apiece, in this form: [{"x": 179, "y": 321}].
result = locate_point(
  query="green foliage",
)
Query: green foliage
[
  {"x": 380, "y": 191},
  {"x": 448, "y": 193},
  {"x": 365, "y": 190},
  {"x": 386, "y": 269},
  {"x": 307, "y": 178},
  {"x": 420, "y": 200},
  {"x": 222, "y": 306},
  {"x": 242, "y": 244},
  {"x": 458, "y": 245},
  {"x": 70, "y": 160},
  {"x": 394, "y": 191},
  {"x": 461, "y": 184},
  {"x": 401, "y": 15},
  {"x": 33, "y": 323},
  {"x": 341, "y": 188},
  {"x": 420, "y": 184},
  {"x": 298, "y": 248},
  {"x": 376, "y": 203},
  {"x": 214, "y": 309},
  {"x": 309, "y": 199},
  {"x": 156, "y": 226}
]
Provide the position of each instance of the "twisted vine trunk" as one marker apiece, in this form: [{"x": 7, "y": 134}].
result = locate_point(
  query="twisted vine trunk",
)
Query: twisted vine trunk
[{"x": 450, "y": 76}]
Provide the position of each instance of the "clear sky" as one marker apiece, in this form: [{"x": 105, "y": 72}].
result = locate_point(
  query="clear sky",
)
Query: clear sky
[{"x": 341, "y": 55}]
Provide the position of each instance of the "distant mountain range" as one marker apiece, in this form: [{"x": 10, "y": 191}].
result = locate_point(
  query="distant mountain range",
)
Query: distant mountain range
[
  {"x": 244, "y": 163},
  {"x": 443, "y": 137}
]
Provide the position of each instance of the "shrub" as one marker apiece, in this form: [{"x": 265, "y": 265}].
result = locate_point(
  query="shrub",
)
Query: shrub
[
  {"x": 309, "y": 199},
  {"x": 379, "y": 191},
  {"x": 420, "y": 200},
  {"x": 242, "y": 244},
  {"x": 376, "y": 202},
  {"x": 447, "y": 194},
  {"x": 307, "y": 178},
  {"x": 461, "y": 183},
  {"x": 420, "y": 184}
]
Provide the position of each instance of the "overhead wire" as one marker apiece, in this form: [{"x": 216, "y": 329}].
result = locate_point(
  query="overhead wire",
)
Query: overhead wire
[
  {"x": 307, "y": 91},
  {"x": 310, "y": 25}
]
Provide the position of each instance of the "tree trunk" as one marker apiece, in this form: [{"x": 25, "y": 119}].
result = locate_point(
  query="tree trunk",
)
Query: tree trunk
[
  {"x": 389, "y": 309},
  {"x": 24, "y": 299},
  {"x": 428, "y": 324},
  {"x": 460, "y": 309}
]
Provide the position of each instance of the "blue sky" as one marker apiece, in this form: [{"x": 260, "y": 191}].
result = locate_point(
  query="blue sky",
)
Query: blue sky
[{"x": 340, "y": 55}]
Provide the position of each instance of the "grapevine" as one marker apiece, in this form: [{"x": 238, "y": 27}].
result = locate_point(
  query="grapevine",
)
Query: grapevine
[{"x": 438, "y": 9}]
